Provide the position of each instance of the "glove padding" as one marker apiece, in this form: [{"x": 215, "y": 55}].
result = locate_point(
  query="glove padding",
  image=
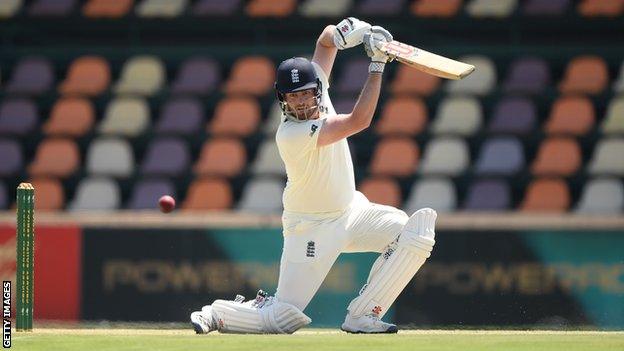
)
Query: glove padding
[
  {"x": 372, "y": 40},
  {"x": 349, "y": 33}
]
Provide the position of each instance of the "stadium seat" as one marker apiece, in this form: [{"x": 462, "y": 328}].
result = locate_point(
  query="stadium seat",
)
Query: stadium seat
[
  {"x": 8, "y": 8},
  {"x": 141, "y": 75},
  {"x": 557, "y": 157},
  {"x": 51, "y": 8},
  {"x": 18, "y": 117},
  {"x": 513, "y": 115},
  {"x": 613, "y": 123},
  {"x": 500, "y": 156},
  {"x": 146, "y": 192},
  {"x": 270, "y": 8},
  {"x": 352, "y": 76},
  {"x": 480, "y": 82},
  {"x": 491, "y": 8},
  {"x": 585, "y": 75},
  {"x": 107, "y": 8},
  {"x": 72, "y": 117},
  {"x": 254, "y": 75},
  {"x": 344, "y": 104},
  {"x": 50, "y": 194},
  {"x": 324, "y": 8},
  {"x": 411, "y": 81},
  {"x": 11, "y": 156},
  {"x": 262, "y": 195},
  {"x": 4, "y": 196},
  {"x": 273, "y": 120},
  {"x": 180, "y": 116},
  {"x": 110, "y": 157},
  {"x": 602, "y": 196},
  {"x": 457, "y": 115},
  {"x": 402, "y": 116},
  {"x": 546, "y": 195},
  {"x": 235, "y": 116},
  {"x": 221, "y": 157},
  {"x": 545, "y": 7},
  {"x": 445, "y": 156},
  {"x": 160, "y": 8},
  {"x": 126, "y": 116},
  {"x": 436, "y": 8},
  {"x": 31, "y": 76},
  {"x": 96, "y": 194},
  {"x": 198, "y": 76},
  {"x": 379, "y": 8},
  {"x": 571, "y": 115},
  {"x": 608, "y": 157},
  {"x": 208, "y": 195},
  {"x": 268, "y": 159},
  {"x": 601, "y": 8},
  {"x": 527, "y": 75},
  {"x": 618, "y": 85},
  {"x": 488, "y": 195},
  {"x": 394, "y": 157},
  {"x": 384, "y": 191},
  {"x": 55, "y": 157},
  {"x": 87, "y": 75},
  {"x": 216, "y": 7},
  {"x": 436, "y": 193},
  {"x": 166, "y": 157}
]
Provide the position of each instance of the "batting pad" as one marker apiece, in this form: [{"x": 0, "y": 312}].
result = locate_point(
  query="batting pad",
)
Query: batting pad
[
  {"x": 273, "y": 318},
  {"x": 393, "y": 270}
]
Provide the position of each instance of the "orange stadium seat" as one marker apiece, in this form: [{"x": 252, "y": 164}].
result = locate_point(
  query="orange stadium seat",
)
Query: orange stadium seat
[
  {"x": 72, "y": 117},
  {"x": 50, "y": 195},
  {"x": 55, "y": 157},
  {"x": 253, "y": 75},
  {"x": 557, "y": 156},
  {"x": 238, "y": 116},
  {"x": 208, "y": 194},
  {"x": 383, "y": 191},
  {"x": 546, "y": 195},
  {"x": 394, "y": 157},
  {"x": 403, "y": 115},
  {"x": 585, "y": 75},
  {"x": 436, "y": 8},
  {"x": 571, "y": 115},
  {"x": 87, "y": 75},
  {"x": 222, "y": 157},
  {"x": 410, "y": 81},
  {"x": 270, "y": 8},
  {"x": 107, "y": 8},
  {"x": 601, "y": 8}
]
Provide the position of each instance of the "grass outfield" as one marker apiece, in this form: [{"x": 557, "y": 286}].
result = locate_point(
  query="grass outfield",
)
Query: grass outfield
[{"x": 316, "y": 340}]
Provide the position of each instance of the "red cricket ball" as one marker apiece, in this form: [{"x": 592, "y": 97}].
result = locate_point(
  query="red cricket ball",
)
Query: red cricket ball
[{"x": 166, "y": 204}]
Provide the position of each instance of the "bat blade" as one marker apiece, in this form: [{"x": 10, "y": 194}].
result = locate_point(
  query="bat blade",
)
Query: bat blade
[{"x": 426, "y": 61}]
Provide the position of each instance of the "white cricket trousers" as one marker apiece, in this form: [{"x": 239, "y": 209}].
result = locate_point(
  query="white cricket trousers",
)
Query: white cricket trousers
[{"x": 313, "y": 242}]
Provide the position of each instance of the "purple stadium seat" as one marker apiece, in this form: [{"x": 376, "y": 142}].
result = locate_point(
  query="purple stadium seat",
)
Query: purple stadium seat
[
  {"x": 353, "y": 76},
  {"x": 215, "y": 7},
  {"x": 500, "y": 156},
  {"x": 344, "y": 105},
  {"x": 488, "y": 195},
  {"x": 180, "y": 116},
  {"x": 545, "y": 7},
  {"x": 516, "y": 115},
  {"x": 166, "y": 157},
  {"x": 11, "y": 158},
  {"x": 380, "y": 8},
  {"x": 527, "y": 75},
  {"x": 32, "y": 75},
  {"x": 18, "y": 117},
  {"x": 197, "y": 76},
  {"x": 4, "y": 197},
  {"x": 146, "y": 193},
  {"x": 51, "y": 7}
]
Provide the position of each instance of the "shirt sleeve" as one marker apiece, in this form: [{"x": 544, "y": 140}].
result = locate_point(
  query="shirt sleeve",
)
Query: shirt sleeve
[
  {"x": 298, "y": 138},
  {"x": 321, "y": 74}
]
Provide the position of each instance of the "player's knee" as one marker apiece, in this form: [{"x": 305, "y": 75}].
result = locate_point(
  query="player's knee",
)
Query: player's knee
[{"x": 419, "y": 232}]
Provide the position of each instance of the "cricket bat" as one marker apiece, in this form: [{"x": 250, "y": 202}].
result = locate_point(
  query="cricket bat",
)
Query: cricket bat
[{"x": 426, "y": 61}]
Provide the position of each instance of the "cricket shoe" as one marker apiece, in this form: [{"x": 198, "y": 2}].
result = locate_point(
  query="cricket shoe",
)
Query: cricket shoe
[
  {"x": 367, "y": 324},
  {"x": 203, "y": 321}
]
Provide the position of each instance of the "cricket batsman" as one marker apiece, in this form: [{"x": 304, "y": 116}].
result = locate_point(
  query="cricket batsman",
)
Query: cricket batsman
[{"x": 323, "y": 214}]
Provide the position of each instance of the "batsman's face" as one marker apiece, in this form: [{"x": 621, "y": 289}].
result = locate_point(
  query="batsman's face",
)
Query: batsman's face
[{"x": 302, "y": 104}]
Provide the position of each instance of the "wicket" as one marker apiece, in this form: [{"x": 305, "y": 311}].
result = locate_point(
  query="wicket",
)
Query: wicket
[{"x": 25, "y": 256}]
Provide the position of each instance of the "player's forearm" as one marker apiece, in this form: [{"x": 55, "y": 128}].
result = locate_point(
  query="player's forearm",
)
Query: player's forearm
[
  {"x": 366, "y": 104},
  {"x": 326, "y": 38}
]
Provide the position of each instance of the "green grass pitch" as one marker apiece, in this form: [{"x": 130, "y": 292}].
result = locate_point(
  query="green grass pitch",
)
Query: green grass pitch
[{"x": 316, "y": 340}]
